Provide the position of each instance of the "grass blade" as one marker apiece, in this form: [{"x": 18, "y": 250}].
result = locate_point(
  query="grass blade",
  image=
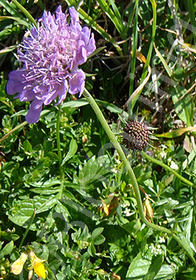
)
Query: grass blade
[{"x": 134, "y": 48}]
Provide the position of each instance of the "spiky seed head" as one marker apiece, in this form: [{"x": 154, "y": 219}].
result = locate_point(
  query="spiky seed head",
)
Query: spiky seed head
[{"x": 136, "y": 135}]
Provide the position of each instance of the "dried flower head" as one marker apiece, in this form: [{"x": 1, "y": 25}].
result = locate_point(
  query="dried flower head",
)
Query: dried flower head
[
  {"x": 51, "y": 54},
  {"x": 136, "y": 135}
]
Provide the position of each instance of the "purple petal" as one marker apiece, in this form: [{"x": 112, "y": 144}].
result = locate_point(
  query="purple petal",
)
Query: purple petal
[
  {"x": 34, "y": 111},
  {"x": 62, "y": 92},
  {"x": 60, "y": 16},
  {"x": 26, "y": 94},
  {"x": 74, "y": 18},
  {"x": 82, "y": 54},
  {"x": 91, "y": 47},
  {"x": 77, "y": 82},
  {"x": 90, "y": 42},
  {"x": 15, "y": 82},
  {"x": 85, "y": 34}
]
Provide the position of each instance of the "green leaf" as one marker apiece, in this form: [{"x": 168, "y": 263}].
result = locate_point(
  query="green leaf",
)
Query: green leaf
[
  {"x": 168, "y": 70},
  {"x": 138, "y": 267},
  {"x": 154, "y": 267},
  {"x": 91, "y": 250},
  {"x": 109, "y": 106},
  {"x": 47, "y": 188},
  {"x": 183, "y": 105},
  {"x": 99, "y": 240},
  {"x": 25, "y": 12},
  {"x": 75, "y": 104},
  {"x": 27, "y": 147},
  {"x": 176, "y": 133},
  {"x": 8, "y": 49},
  {"x": 8, "y": 236},
  {"x": 166, "y": 272},
  {"x": 73, "y": 146},
  {"x": 22, "y": 210},
  {"x": 7, "y": 249},
  {"x": 19, "y": 20},
  {"x": 96, "y": 232},
  {"x": 186, "y": 244},
  {"x": 8, "y": 7}
]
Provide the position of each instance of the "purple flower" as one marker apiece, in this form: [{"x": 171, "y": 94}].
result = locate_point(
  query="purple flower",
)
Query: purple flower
[{"x": 51, "y": 54}]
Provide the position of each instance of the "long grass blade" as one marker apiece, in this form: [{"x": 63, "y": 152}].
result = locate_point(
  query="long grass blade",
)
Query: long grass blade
[
  {"x": 134, "y": 49},
  {"x": 25, "y": 12},
  {"x": 146, "y": 65},
  {"x": 114, "y": 17}
]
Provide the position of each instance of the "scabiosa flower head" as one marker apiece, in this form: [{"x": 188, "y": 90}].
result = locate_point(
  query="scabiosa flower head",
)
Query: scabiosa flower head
[
  {"x": 136, "y": 135},
  {"x": 51, "y": 54}
]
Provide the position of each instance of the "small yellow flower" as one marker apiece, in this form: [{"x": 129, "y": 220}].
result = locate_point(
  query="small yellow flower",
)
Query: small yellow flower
[
  {"x": 17, "y": 266},
  {"x": 37, "y": 265}
]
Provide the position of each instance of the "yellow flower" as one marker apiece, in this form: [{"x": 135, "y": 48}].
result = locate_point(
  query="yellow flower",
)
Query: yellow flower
[
  {"x": 37, "y": 265},
  {"x": 17, "y": 266}
]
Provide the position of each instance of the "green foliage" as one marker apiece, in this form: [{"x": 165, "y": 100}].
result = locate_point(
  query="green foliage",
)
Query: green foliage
[{"x": 81, "y": 216}]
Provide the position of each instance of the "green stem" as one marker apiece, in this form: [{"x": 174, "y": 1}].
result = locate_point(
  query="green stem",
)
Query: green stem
[
  {"x": 62, "y": 176},
  {"x": 129, "y": 169},
  {"x": 58, "y": 135},
  {"x": 158, "y": 162},
  {"x": 11, "y": 131},
  {"x": 27, "y": 230}
]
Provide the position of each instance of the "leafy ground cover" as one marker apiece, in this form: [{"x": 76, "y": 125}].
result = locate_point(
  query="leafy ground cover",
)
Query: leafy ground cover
[{"x": 70, "y": 205}]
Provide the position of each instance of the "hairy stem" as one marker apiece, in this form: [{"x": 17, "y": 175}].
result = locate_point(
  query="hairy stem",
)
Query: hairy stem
[
  {"x": 58, "y": 135},
  {"x": 129, "y": 169}
]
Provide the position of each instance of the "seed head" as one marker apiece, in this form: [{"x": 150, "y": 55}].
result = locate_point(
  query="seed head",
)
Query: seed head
[{"x": 136, "y": 135}]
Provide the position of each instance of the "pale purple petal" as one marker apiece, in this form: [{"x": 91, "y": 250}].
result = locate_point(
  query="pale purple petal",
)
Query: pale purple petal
[
  {"x": 77, "y": 82},
  {"x": 82, "y": 54},
  {"x": 91, "y": 47},
  {"x": 62, "y": 92},
  {"x": 26, "y": 94},
  {"x": 74, "y": 16},
  {"x": 14, "y": 83},
  {"x": 34, "y": 111}
]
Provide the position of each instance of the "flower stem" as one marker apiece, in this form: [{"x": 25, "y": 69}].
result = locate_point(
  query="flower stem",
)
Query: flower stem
[
  {"x": 158, "y": 162},
  {"x": 13, "y": 130},
  {"x": 58, "y": 135},
  {"x": 129, "y": 169},
  {"x": 27, "y": 230}
]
